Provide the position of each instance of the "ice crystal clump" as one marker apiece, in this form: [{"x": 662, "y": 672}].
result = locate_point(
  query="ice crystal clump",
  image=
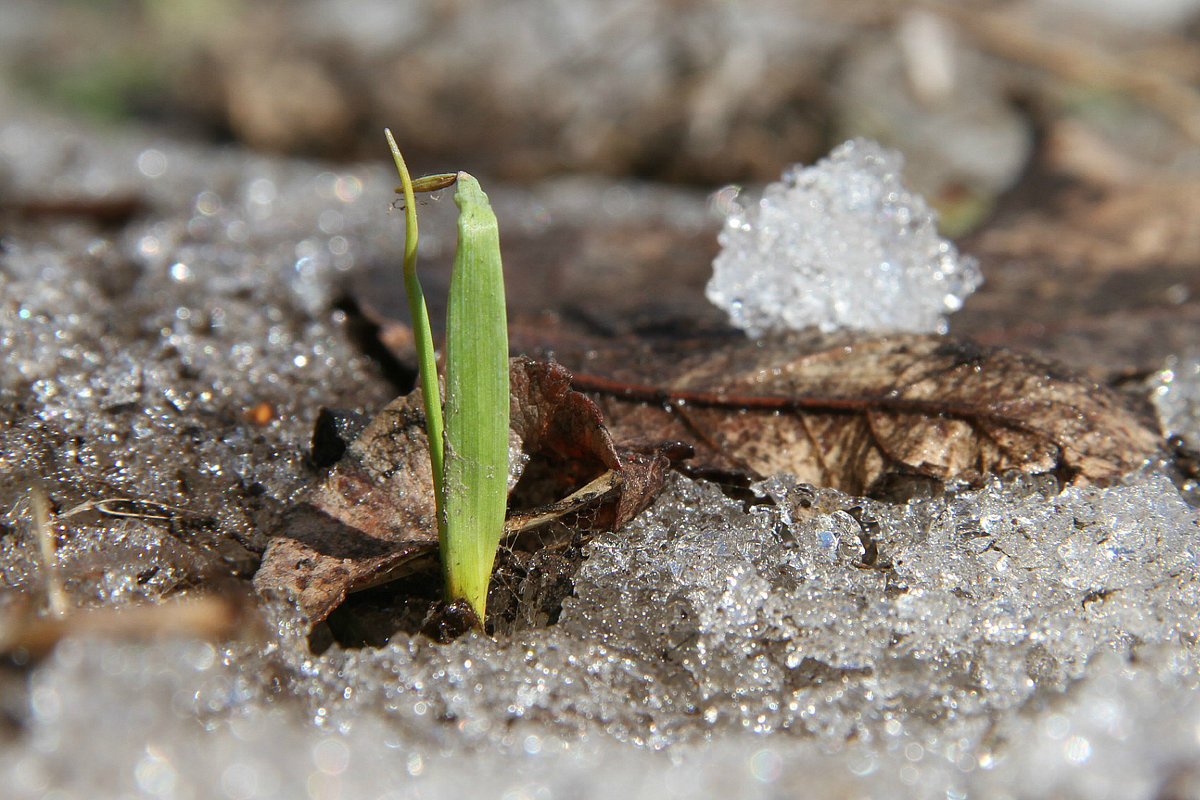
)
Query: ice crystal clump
[
  {"x": 976, "y": 602},
  {"x": 1175, "y": 393},
  {"x": 839, "y": 245}
]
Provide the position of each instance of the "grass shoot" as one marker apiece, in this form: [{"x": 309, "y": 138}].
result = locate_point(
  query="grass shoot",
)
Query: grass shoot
[{"x": 468, "y": 444}]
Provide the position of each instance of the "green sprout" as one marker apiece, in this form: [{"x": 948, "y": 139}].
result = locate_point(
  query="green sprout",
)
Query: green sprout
[{"x": 468, "y": 448}]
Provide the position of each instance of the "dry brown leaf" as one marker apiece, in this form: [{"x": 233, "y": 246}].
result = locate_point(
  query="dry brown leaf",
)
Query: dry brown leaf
[
  {"x": 373, "y": 511},
  {"x": 567, "y": 428},
  {"x": 854, "y": 414}
]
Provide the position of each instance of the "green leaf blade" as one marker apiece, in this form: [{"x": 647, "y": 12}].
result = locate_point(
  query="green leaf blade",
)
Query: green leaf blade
[{"x": 477, "y": 402}]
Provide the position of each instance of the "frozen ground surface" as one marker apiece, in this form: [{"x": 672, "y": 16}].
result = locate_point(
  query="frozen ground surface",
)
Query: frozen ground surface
[
  {"x": 841, "y": 244},
  {"x": 1025, "y": 644}
]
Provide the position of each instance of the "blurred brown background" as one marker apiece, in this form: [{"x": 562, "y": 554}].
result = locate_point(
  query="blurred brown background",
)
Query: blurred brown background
[
  {"x": 1058, "y": 136},
  {"x": 699, "y": 91}
]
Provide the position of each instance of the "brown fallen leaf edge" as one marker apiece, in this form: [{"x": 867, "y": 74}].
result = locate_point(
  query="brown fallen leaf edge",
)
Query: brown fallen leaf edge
[{"x": 852, "y": 415}]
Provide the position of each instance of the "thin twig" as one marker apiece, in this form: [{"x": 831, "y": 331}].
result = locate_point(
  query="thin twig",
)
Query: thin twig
[
  {"x": 55, "y": 596},
  {"x": 593, "y": 491}
]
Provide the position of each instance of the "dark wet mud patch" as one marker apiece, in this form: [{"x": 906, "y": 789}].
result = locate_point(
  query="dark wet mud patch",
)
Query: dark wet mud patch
[{"x": 533, "y": 575}]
